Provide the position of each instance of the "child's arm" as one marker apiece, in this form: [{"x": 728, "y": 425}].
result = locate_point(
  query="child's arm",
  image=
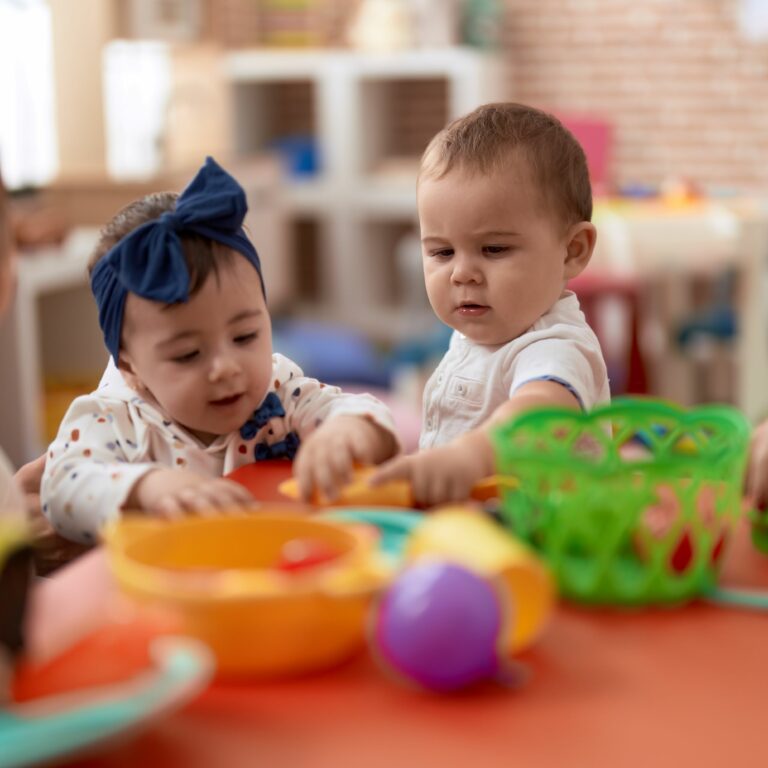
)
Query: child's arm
[
  {"x": 97, "y": 466},
  {"x": 448, "y": 472},
  {"x": 757, "y": 470},
  {"x": 90, "y": 469},
  {"x": 28, "y": 479}
]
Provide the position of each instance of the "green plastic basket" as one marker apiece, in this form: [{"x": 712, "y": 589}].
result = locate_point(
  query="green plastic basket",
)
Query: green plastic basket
[
  {"x": 759, "y": 522},
  {"x": 631, "y": 503}
]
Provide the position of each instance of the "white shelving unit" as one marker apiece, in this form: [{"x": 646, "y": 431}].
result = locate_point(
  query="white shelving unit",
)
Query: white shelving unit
[
  {"x": 352, "y": 112},
  {"x": 51, "y": 328}
]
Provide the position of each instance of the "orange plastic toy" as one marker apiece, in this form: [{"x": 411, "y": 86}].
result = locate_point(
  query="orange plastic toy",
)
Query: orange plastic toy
[{"x": 397, "y": 493}]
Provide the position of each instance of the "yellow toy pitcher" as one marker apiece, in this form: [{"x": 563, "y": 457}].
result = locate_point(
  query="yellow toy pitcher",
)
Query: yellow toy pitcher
[{"x": 468, "y": 538}]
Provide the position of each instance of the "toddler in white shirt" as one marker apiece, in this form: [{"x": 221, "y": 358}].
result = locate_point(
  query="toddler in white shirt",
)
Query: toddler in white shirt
[{"x": 505, "y": 205}]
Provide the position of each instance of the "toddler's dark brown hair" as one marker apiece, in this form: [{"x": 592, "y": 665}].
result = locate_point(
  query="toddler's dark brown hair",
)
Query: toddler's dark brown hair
[{"x": 492, "y": 135}]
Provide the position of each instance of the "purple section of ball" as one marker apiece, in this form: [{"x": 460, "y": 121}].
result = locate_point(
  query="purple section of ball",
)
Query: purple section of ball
[{"x": 438, "y": 624}]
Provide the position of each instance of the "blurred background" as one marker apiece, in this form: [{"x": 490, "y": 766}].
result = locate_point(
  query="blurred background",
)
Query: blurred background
[{"x": 321, "y": 108}]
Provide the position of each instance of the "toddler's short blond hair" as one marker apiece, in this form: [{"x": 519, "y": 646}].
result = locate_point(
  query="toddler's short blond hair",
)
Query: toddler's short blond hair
[{"x": 487, "y": 138}]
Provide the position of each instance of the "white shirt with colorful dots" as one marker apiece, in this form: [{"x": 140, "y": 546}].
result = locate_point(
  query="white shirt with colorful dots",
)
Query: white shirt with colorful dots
[{"x": 112, "y": 437}]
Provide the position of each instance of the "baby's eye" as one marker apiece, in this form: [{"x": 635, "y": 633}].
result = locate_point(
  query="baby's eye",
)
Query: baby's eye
[
  {"x": 442, "y": 253},
  {"x": 495, "y": 250},
  {"x": 246, "y": 338},
  {"x": 186, "y": 358}
]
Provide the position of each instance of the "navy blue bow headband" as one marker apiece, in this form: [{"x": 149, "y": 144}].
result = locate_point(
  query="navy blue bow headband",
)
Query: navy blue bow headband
[{"x": 149, "y": 261}]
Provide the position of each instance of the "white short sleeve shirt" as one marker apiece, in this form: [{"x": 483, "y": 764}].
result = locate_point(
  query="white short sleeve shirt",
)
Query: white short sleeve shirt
[{"x": 473, "y": 380}]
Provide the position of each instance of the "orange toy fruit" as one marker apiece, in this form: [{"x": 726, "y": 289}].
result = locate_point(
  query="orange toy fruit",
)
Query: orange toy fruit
[{"x": 396, "y": 493}]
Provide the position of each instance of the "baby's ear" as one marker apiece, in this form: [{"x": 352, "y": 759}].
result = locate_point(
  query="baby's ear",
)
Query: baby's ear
[
  {"x": 580, "y": 242},
  {"x": 125, "y": 366}
]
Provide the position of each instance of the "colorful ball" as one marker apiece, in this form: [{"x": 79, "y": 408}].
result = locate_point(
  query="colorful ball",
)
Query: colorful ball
[{"x": 439, "y": 625}]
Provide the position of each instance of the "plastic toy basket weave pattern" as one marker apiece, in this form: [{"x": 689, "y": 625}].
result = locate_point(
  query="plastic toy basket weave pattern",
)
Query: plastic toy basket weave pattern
[{"x": 631, "y": 503}]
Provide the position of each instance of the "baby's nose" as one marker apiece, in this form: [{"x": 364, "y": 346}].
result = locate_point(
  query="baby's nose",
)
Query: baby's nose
[
  {"x": 465, "y": 271},
  {"x": 223, "y": 366}
]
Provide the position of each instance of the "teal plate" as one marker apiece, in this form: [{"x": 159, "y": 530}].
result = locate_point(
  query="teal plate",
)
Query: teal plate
[
  {"x": 395, "y": 525},
  {"x": 50, "y": 729}
]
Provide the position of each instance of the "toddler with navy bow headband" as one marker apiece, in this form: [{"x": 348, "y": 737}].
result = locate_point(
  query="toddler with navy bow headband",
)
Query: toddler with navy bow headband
[{"x": 193, "y": 389}]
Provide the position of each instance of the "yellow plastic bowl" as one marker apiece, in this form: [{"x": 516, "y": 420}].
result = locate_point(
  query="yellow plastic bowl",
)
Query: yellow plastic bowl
[{"x": 218, "y": 578}]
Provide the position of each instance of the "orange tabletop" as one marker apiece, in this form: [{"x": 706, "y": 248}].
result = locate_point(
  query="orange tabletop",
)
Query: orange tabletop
[
  {"x": 676, "y": 687},
  {"x": 263, "y": 478}
]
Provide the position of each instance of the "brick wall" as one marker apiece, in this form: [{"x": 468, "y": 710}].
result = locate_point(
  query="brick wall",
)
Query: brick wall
[{"x": 686, "y": 94}]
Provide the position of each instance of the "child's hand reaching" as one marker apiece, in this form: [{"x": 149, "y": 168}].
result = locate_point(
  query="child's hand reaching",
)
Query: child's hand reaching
[
  {"x": 443, "y": 474},
  {"x": 173, "y": 493},
  {"x": 326, "y": 458},
  {"x": 757, "y": 471},
  {"x": 28, "y": 478}
]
